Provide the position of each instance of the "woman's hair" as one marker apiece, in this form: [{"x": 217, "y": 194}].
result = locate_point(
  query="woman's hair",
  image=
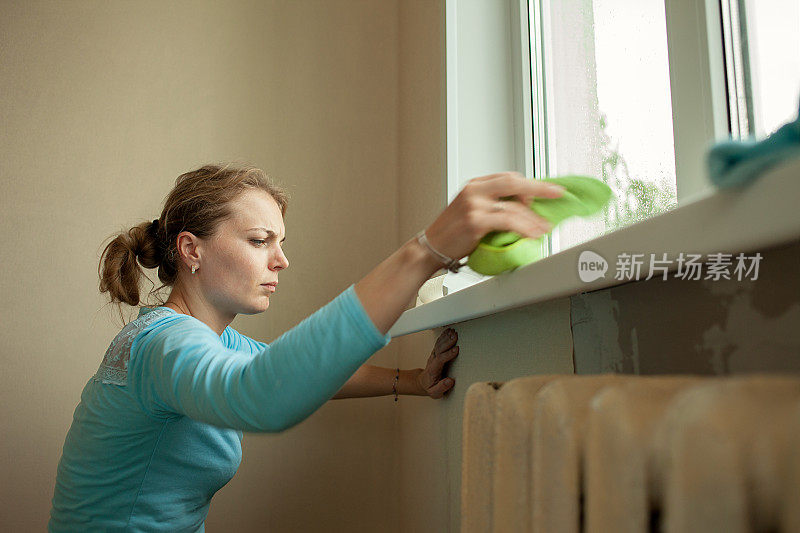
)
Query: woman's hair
[{"x": 199, "y": 202}]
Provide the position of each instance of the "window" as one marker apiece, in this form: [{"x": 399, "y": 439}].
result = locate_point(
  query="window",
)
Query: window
[{"x": 629, "y": 92}]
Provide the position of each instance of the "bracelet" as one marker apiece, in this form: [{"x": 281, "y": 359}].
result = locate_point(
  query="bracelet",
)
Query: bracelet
[
  {"x": 450, "y": 264},
  {"x": 394, "y": 384}
]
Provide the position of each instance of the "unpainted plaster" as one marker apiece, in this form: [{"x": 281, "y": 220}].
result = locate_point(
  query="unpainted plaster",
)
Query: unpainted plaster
[{"x": 708, "y": 327}]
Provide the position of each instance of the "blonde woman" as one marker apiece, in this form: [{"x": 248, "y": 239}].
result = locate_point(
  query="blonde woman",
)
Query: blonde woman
[{"x": 157, "y": 431}]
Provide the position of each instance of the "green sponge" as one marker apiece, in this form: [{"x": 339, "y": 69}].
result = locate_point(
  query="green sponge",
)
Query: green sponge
[{"x": 500, "y": 251}]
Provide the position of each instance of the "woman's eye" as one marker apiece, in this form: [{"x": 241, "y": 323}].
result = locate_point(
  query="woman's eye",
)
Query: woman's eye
[{"x": 261, "y": 242}]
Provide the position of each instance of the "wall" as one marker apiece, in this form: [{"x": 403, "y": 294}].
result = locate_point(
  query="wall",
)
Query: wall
[
  {"x": 705, "y": 327},
  {"x": 104, "y": 104},
  {"x": 422, "y": 476}
]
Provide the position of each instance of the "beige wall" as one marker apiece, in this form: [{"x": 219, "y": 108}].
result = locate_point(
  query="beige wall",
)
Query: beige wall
[
  {"x": 104, "y": 104},
  {"x": 422, "y": 193}
]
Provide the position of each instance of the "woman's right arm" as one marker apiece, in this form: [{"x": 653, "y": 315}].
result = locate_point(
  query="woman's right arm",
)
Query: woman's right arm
[
  {"x": 388, "y": 288},
  {"x": 181, "y": 366}
]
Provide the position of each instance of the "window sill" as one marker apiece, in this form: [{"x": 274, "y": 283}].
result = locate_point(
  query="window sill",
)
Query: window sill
[{"x": 761, "y": 215}]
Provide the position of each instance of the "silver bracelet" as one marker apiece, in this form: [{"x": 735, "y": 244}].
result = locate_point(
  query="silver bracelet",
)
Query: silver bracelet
[{"x": 450, "y": 264}]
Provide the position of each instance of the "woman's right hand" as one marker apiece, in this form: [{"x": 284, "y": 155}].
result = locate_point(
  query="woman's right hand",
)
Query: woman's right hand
[
  {"x": 469, "y": 217},
  {"x": 386, "y": 291}
]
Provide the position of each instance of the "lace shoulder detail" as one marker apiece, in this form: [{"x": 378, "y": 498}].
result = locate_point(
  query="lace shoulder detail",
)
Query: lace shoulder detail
[{"x": 114, "y": 368}]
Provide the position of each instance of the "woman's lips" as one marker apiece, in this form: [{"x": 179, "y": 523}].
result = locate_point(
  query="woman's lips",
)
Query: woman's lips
[{"x": 269, "y": 286}]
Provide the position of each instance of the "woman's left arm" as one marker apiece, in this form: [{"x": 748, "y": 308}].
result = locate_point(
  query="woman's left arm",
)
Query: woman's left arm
[
  {"x": 368, "y": 380},
  {"x": 371, "y": 380}
]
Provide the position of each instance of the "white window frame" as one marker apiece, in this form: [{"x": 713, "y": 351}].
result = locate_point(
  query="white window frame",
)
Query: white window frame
[
  {"x": 487, "y": 60},
  {"x": 484, "y": 34}
]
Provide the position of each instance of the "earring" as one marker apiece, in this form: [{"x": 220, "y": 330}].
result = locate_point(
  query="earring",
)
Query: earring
[{"x": 194, "y": 267}]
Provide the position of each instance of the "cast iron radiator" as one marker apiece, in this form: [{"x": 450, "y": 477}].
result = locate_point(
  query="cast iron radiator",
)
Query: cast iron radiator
[{"x": 613, "y": 453}]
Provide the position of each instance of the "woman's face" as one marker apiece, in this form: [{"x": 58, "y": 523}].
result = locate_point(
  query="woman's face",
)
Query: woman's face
[{"x": 243, "y": 255}]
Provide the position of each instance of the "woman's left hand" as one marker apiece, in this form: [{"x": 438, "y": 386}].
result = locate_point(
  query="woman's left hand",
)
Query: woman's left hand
[{"x": 430, "y": 379}]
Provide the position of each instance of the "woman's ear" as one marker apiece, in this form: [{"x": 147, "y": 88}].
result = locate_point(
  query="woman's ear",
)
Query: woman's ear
[{"x": 188, "y": 247}]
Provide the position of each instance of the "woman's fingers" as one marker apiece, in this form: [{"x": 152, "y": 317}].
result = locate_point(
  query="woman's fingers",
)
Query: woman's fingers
[
  {"x": 472, "y": 214},
  {"x": 444, "y": 350},
  {"x": 446, "y": 340},
  {"x": 516, "y": 217},
  {"x": 439, "y": 390},
  {"x": 498, "y": 174},
  {"x": 497, "y": 186},
  {"x": 439, "y": 358}
]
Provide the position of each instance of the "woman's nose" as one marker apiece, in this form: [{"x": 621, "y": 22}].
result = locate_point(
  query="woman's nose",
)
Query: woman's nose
[{"x": 280, "y": 261}]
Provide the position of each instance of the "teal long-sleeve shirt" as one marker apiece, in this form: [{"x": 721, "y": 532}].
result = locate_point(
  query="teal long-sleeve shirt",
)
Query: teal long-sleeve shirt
[{"x": 158, "y": 429}]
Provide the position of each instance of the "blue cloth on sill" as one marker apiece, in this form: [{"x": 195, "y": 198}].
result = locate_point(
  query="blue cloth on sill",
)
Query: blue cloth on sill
[{"x": 734, "y": 163}]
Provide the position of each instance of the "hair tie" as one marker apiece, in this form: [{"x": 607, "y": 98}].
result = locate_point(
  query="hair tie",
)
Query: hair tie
[{"x": 153, "y": 231}]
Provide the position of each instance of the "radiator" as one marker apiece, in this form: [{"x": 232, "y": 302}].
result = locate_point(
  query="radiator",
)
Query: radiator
[{"x": 613, "y": 453}]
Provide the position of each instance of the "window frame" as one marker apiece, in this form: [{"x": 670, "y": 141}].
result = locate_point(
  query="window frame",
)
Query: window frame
[
  {"x": 498, "y": 32},
  {"x": 700, "y": 116},
  {"x": 497, "y": 36}
]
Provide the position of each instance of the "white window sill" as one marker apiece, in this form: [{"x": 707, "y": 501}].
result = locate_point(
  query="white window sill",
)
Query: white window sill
[{"x": 762, "y": 215}]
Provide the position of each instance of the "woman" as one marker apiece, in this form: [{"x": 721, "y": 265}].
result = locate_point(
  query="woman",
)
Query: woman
[{"x": 157, "y": 431}]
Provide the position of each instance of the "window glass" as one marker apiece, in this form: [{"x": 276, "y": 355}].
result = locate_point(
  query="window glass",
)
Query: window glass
[
  {"x": 608, "y": 108},
  {"x": 772, "y": 51}
]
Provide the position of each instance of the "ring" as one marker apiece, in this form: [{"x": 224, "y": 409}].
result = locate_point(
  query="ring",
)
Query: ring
[{"x": 498, "y": 206}]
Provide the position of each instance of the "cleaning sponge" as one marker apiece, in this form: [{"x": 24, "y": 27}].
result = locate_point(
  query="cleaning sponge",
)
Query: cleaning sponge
[{"x": 500, "y": 251}]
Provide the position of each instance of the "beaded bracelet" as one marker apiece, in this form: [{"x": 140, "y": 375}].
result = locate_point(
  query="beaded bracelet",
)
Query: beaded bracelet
[{"x": 394, "y": 384}]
